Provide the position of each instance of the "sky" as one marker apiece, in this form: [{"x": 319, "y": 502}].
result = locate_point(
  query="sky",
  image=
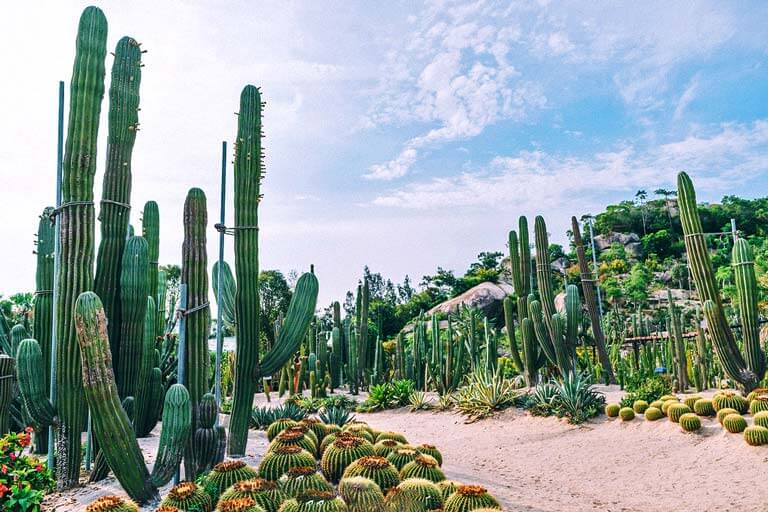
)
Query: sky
[{"x": 400, "y": 135}]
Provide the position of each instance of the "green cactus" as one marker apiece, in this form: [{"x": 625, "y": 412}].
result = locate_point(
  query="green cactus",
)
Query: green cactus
[
  {"x": 626, "y": 414},
  {"x": 653, "y": 414},
  {"x": 730, "y": 400},
  {"x": 690, "y": 422},
  {"x": 448, "y": 487},
  {"x": 386, "y": 446},
  {"x": 315, "y": 501},
  {"x": 756, "y": 435},
  {"x": 676, "y": 410},
  {"x": 228, "y": 291},
  {"x": 265, "y": 493},
  {"x": 341, "y": 453},
  {"x": 749, "y": 368},
  {"x": 31, "y": 377},
  {"x": 470, "y": 497},
  {"x": 364, "y": 357},
  {"x": 691, "y": 400},
  {"x": 704, "y": 407},
  {"x": 299, "y": 479},
  {"x": 278, "y": 426},
  {"x": 206, "y": 437},
  {"x": 294, "y": 436},
  {"x": 7, "y": 384},
  {"x": 680, "y": 360},
  {"x": 402, "y": 456},
  {"x": 415, "y": 494},
  {"x": 123, "y": 123},
  {"x": 759, "y": 404},
  {"x": 239, "y": 505},
  {"x": 722, "y": 413},
  {"x": 188, "y": 496},
  {"x": 396, "y": 436},
  {"x": 112, "y": 504},
  {"x": 761, "y": 419},
  {"x": 423, "y": 466},
  {"x": 316, "y": 426},
  {"x": 150, "y": 230},
  {"x": 612, "y": 410},
  {"x": 639, "y": 406},
  {"x": 361, "y": 494},
  {"x": 375, "y": 468},
  {"x": 734, "y": 423},
  {"x": 134, "y": 290},
  {"x": 226, "y": 474},
  {"x": 432, "y": 451},
  {"x": 177, "y": 427},
  {"x": 667, "y": 404},
  {"x": 279, "y": 460},
  {"x": 146, "y": 407}
]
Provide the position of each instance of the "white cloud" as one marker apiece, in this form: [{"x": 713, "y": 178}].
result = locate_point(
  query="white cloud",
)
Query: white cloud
[
  {"x": 687, "y": 97},
  {"x": 394, "y": 168},
  {"x": 559, "y": 43}
]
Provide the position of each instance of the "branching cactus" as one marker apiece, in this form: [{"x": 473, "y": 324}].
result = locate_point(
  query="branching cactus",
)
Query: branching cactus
[
  {"x": 748, "y": 368},
  {"x": 76, "y": 219}
]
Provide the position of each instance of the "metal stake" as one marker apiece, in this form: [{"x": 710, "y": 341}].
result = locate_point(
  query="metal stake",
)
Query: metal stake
[
  {"x": 219, "y": 333},
  {"x": 181, "y": 368}
]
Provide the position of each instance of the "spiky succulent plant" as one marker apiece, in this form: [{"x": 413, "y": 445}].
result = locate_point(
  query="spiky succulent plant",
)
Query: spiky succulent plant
[
  {"x": 639, "y": 406},
  {"x": 761, "y": 419},
  {"x": 432, "y": 451},
  {"x": 112, "y": 504},
  {"x": 470, "y": 497},
  {"x": 265, "y": 493},
  {"x": 279, "y": 460},
  {"x": 400, "y": 438},
  {"x": 756, "y": 435},
  {"x": 228, "y": 473},
  {"x": 722, "y": 413},
  {"x": 612, "y": 410},
  {"x": 704, "y": 407},
  {"x": 415, "y": 494},
  {"x": 402, "y": 456},
  {"x": 734, "y": 423},
  {"x": 674, "y": 411},
  {"x": 626, "y": 414},
  {"x": 294, "y": 437},
  {"x": 690, "y": 422},
  {"x": 653, "y": 414},
  {"x": 375, "y": 468},
  {"x": 341, "y": 453},
  {"x": 759, "y": 404},
  {"x": 448, "y": 487},
  {"x": 239, "y": 505},
  {"x": 423, "y": 466},
  {"x": 188, "y": 496},
  {"x": 385, "y": 447},
  {"x": 300, "y": 479},
  {"x": 690, "y": 400},
  {"x": 361, "y": 494},
  {"x": 729, "y": 399},
  {"x": 315, "y": 501},
  {"x": 278, "y": 426}
]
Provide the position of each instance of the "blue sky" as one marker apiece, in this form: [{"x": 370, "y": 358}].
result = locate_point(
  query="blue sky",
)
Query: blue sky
[{"x": 403, "y": 135}]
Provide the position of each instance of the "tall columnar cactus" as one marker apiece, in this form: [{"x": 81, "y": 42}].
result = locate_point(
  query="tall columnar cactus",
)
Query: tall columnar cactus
[
  {"x": 161, "y": 301},
  {"x": 134, "y": 290},
  {"x": 194, "y": 273},
  {"x": 145, "y": 406},
  {"x": 588, "y": 283},
  {"x": 76, "y": 219},
  {"x": 366, "y": 356},
  {"x": 248, "y": 175},
  {"x": 228, "y": 290},
  {"x": 115, "y": 211},
  {"x": 679, "y": 355},
  {"x": 43, "y": 302},
  {"x": 337, "y": 353},
  {"x": 111, "y": 425},
  {"x": 150, "y": 230},
  {"x": 7, "y": 383},
  {"x": 747, "y": 369}
]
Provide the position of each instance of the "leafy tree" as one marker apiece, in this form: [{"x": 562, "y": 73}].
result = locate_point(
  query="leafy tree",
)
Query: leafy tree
[{"x": 275, "y": 295}]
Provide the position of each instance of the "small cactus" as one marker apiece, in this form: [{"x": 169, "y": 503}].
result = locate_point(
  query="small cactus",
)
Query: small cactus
[
  {"x": 704, "y": 407},
  {"x": 761, "y": 419},
  {"x": 667, "y": 404},
  {"x": 415, "y": 494},
  {"x": 657, "y": 404},
  {"x": 758, "y": 404},
  {"x": 626, "y": 414},
  {"x": 756, "y": 435},
  {"x": 396, "y": 436},
  {"x": 188, "y": 496},
  {"x": 361, "y": 494},
  {"x": 360, "y": 430},
  {"x": 471, "y": 497},
  {"x": 448, "y": 487},
  {"x": 402, "y": 456},
  {"x": 722, "y": 413},
  {"x": 664, "y": 398},
  {"x": 341, "y": 453},
  {"x": 640, "y": 406},
  {"x": 112, "y": 504},
  {"x": 423, "y": 466},
  {"x": 729, "y": 399},
  {"x": 294, "y": 437},
  {"x": 734, "y": 423},
  {"x": 385, "y": 447},
  {"x": 653, "y": 414},
  {"x": 690, "y": 422},
  {"x": 676, "y": 410},
  {"x": 300, "y": 479},
  {"x": 315, "y": 501},
  {"x": 612, "y": 410},
  {"x": 264, "y": 492},
  {"x": 375, "y": 468},
  {"x": 432, "y": 451},
  {"x": 690, "y": 400},
  {"x": 316, "y": 426},
  {"x": 279, "y": 460},
  {"x": 228, "y": 473},
  {"x": 239, "y": 505},
  {"x": 278, "y": 426}
]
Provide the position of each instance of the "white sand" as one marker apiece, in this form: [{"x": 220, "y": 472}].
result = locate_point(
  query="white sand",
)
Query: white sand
[{"x": 545, "y": 464}]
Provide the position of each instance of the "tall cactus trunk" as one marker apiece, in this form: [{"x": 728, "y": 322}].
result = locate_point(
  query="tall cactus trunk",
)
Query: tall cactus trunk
[
  {"x": 77, "y": 228},
  {"x": 123, "y": 123},
  {"x": 150, "y": 230},
  {"x": 588, "y": 283},
  {"x": 194, "y": 273},
  {"x": 43, "y": 307},
  {"x": 134, "y": 290},
  {"x": 7, "y": 384},
  {"x": 248, "y": 175}
]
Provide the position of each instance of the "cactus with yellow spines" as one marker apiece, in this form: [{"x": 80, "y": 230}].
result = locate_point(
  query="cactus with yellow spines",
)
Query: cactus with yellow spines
[
  {"x": 112, "y": 504},
  {"x": 653, "y": 414},
  {"x": 279, "y": 460},
  {"x": 226, "y": 474},
  {"x": 299, "y": 479},
  {"x": 415, "y": 494},
  {"x": 470, "y": 497},
  {"x": 756, "y": 435},
  {"x": 341, "y": 453},
  {"x": 690, "y": 422},
  {"x": 188, "y": 496},
  {"x": 375, "y": 468},
  {"x": 265, "y": 493},
  {"x": 734, "y": 423},
  {"x": 361, "y": 494}
]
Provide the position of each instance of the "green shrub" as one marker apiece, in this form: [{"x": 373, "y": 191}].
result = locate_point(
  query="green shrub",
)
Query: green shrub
[
  {"x": 24, "y": 479},
  {"x": 648, "y": 389}
]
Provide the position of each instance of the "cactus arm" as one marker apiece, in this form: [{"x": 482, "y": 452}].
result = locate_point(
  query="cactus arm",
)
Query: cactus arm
[
  {"x": 7, "y": 373},
  {"x": 31, "y": 377},
  {"x": 110, "y": 423},
  {"x": 573, "y": 316},
  {"x": 543, "y": 275},
  {"x": 134, "y": 290},
  {"x": 177, "y": 426},
  {"x": 540, "y": 329},
  {"x": 746, "y": 288}
]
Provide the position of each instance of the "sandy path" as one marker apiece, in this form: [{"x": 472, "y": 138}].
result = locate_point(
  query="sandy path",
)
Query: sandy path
[{"x": 546, "y": 465}]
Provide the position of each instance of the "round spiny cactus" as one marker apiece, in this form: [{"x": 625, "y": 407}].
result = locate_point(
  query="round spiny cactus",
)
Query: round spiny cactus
[
  {"x": 470, "y": 497},
  {"x": 396, "y": 436},
  {"x": 245, "y": 504},
  {"x": 188, "y": 496},
  {"x": 690, "y": 422},
  {"x": 722, "y": 413},
  {"x": 756, "y": 435},
  {"x": 228, "y": 473},
  {"x": 278, "y": 426},
  {"x": 385, "y": 447},
  {"x": 361, "y": 494},
  {"x": 315, "y": 501},
  {"x": 657, "y": 404},
  {"x": 423, "y": 466},
  {"x": 676, "y": 410},
  {"x": 432, "y": 451},
  {"x": 112, "y": 504},
  {"x": 375, "y": 468},
  {"x": 729, "y": 399},
  {"x": 704, "y": 407},
  {"x": 341, "y": 453},
  {"x": 360, "y": 430},
  {"x": 280, "y": 459},
  {"x": 300, "y": 479},
  {"x": 690, "y": 400},
  {"x": 757, "y": 391},
  {"x": 264, "y": 492},
  {"x": 734, "y": 423},
  {"x": 639, "y": 406},
  {"x": 653, "y": 414},
  {"x": 448, "y": 487},
  {"x": 318, "y": 427},
  {"x": 761, "y": 419},
  {"x": 626, "y": 414},
  {"x": 664, "y": 398},
  {"x": 294, "y": 437},
  {"x": 667, "y": 404},
  {"x": 758, "y": 404},
  {"x": 401, "y": 457},
  {"x": 167, "y": 508},
  {"x": 331, "y": 428},
  {"x": 415, "y": 494},
  {"x": 357, "y": 425},
  {"x": 612, "y": 410},
  {"x": 308, "y": 431}
]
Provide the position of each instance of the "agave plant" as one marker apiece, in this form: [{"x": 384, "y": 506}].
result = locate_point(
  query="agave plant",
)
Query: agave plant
[
  {"x": 342, "y": 401},
  {"x": 486, "y": 393},
  {"x": 336, "y": 415},
  {"x": 577, "y": 398},
  {"x": 445, "y": 402},
  {"x": 419, "y": 401}
]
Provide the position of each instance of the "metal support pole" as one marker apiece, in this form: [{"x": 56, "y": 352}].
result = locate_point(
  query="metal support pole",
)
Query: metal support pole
[
  {"x": 219, "y": 333},
  {"x": 56, "y": 263},
  {"x": 181, "y": 352},
  {"x": 594, "y": 269}
]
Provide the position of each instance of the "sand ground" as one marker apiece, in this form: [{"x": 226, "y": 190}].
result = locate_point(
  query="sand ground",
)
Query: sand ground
[{"x": 546, "y": 465}]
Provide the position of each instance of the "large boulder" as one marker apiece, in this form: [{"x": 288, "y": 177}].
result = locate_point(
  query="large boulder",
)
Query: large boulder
[
  {"x": 604, "y": 242},
  {"x": 488, "y": 297}
]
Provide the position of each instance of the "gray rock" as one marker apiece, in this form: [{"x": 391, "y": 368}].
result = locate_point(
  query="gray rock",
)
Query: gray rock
[{"x": 488, "y": 297}]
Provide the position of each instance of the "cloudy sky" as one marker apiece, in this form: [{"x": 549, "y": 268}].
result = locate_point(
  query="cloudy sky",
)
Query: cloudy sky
[{"x": 401, "y": 135}]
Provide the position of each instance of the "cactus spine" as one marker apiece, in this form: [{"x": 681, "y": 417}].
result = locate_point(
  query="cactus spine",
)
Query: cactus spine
[
  {"x": 76, "y": 219},
  {"x": 746, "y": 369},
  {"x": 248, "y": 175}
]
